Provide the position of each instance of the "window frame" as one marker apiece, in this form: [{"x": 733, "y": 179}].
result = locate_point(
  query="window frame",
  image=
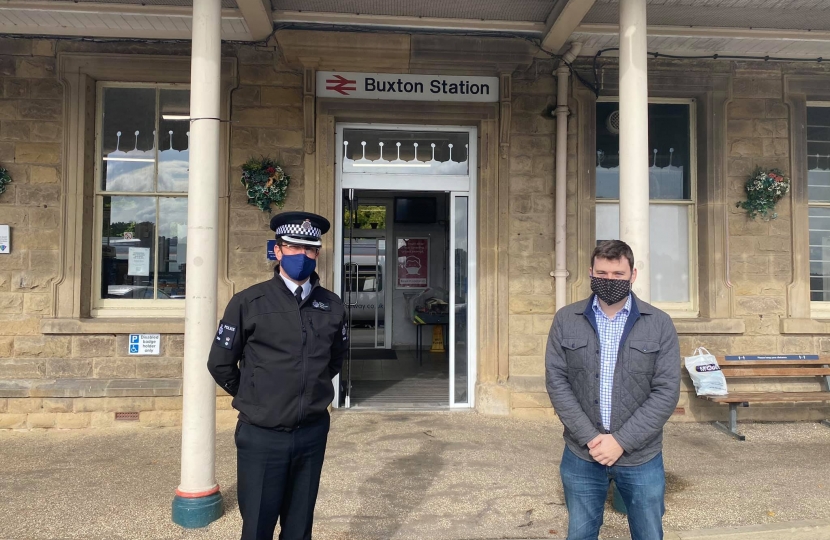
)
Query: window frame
[
  {"x": 819, "y": 309},
  {"x": 690, "y": 309},
  {"x": 71, "y": 309},
  {"x": 110, "y": 307}
]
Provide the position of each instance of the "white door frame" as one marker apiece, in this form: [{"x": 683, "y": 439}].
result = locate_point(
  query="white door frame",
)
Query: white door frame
[{"x": 451, "y": 184}]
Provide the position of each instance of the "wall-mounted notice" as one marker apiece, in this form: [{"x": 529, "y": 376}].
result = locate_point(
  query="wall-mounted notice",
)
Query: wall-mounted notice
[
  {"x": 145, "y": 344},
  {"x": 413, "y": 263},
  {"x": 5, "y": 240},
  {"x": 139, "y": 261}
]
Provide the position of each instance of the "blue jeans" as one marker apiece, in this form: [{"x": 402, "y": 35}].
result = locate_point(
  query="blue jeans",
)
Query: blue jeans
[{"x": 642, "y": 487}]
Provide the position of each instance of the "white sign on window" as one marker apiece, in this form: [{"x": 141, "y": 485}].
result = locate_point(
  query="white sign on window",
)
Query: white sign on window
[
  {"x": 139, "y": 262},
  {"x": 407, "y": 87},
  {"x": 145, "y": 344}
]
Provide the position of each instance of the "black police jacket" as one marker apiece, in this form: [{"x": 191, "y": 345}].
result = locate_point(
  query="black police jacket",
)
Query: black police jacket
[{"x": 277, "y": 358}]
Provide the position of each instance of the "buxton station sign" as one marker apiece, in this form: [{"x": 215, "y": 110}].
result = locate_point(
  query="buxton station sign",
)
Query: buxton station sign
[{"x": 335, "y": 84}]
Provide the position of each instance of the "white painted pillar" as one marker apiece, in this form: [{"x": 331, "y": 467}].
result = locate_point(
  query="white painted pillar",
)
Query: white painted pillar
[
  {"x": 634, "y": 211},
  {"x": 560, "y": 273},
  {"x": 199, "y": 413}
]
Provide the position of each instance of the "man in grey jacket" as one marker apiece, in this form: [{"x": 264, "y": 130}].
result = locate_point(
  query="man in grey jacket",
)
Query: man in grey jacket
[{"x": 613, "y": 376}]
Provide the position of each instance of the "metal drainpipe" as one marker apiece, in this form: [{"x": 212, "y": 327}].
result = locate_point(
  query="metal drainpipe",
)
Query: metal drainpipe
[{"x": 561, "y": 269}]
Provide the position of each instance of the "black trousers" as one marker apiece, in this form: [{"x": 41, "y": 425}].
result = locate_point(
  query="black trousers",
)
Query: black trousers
[{"x": 278, "y": 476}]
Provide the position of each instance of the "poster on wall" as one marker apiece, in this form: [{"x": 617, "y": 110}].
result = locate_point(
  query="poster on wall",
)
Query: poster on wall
[
  {"x": 138, "y": 261},
  {"x": 413, "y": 263}
]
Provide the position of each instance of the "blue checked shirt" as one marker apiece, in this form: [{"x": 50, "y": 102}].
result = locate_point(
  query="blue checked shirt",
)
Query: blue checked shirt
[{"x": 610, "y": 334}]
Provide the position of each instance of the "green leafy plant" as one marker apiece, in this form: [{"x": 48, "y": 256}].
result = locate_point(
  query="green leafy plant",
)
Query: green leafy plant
[
  {"x": 265, "y": 182},
  {"x": 764, "y": 188},
  {"x": 5, "y": 179}
]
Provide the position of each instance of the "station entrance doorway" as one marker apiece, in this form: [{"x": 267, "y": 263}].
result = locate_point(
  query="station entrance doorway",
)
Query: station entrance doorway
[{"x": 405, "y": 265}]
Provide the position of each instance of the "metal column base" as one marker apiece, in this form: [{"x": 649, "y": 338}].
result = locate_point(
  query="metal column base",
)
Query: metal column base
[
  {"x": 732, "y": 428},
  {"x": 194, "y": 513}
]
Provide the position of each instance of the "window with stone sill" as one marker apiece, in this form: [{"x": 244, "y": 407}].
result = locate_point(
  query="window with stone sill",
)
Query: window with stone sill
[
  {"x": 672, "y": 191},
  {"x": 818, "y": 191},
  {"x": 141, "y": 178}
]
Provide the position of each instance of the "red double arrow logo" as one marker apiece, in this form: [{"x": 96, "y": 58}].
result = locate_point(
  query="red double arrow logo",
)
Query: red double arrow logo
[{"x": 341, "y": 84}]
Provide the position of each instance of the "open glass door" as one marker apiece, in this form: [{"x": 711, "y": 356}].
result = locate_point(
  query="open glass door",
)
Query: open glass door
[{"x": 461, "y": 339}]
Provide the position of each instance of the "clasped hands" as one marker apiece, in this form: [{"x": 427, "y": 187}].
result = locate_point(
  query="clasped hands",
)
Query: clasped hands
[{"x": 605, "y": 449}]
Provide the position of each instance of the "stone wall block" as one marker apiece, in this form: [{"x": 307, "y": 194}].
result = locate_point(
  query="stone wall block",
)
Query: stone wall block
[
  {"x": 31, "y": 281},
  {"x": 42, "y": 346},
  {"x": 747, "y": 108},
  {"x": 740, "y": 128},
  {"x": 73, "y": 420},
  {"x": 11, "y": 303},
  {"x": 761, "y": 305},
  {"x": 281, "y": 97},
  {"x": 22, "y": 368},
  {"x": 40, "y": 110},
  {"x": 6, "y": 346},
  {"x": 520, "y": 325},
  {"x": 150, "y": 367},
  {"x": 531, "y": 304},
  {"x": 37, "y": 304},
  {"x": 281, "y": 138},
  {"x": 41, "y": 420},
  {"x": 24, "y": 405},
  {"x": 15, "y": 130},
  {"x": 776, "y": 147},
  {"x": 746, "y": 147},
  {"x": 46, "y": 261},
  {"x": 93, "y": 346},
  {"x": 59, "y": 368},
  {"x": 35, "y": 67},
  {"x": 798, "y": 345},
  {"x": 520, "y": 366},
  {"x": 12, "y": 421},
  {"x": 527, "y": 346},
  {"x": 174, "y": 345},
  {"x": 43, "y": 175},
  {"x": 113, "y": 368},
  {"x": 246, "y": 96},
  {"x": 756, "y": 88},
  {"x": 774, "y": 108}
]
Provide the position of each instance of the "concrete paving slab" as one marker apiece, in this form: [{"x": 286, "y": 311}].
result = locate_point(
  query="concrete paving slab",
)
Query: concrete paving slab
[{"x": 408, "y": 476}]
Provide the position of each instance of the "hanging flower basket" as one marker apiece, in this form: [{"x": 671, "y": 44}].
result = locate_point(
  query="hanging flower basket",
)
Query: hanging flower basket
[
  {"x": 265, "y": 183},
  {"x": 5, "y": 179},
  {"x": 764, "y": 188}
]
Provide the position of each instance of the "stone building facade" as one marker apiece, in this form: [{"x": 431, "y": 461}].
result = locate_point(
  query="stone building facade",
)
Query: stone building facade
[{"x": 63, "y": 367}]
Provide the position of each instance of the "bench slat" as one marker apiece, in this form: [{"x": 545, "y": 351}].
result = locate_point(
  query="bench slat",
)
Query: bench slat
[
  {"x": 774, "y": 372},
  {"x": 770, "y": 397}
]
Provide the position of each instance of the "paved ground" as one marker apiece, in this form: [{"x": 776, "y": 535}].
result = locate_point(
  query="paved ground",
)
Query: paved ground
[{"x": 435, "y": 476}]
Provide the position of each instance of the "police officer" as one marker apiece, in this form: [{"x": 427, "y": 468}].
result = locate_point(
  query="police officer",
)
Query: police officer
[{"x": 276, "y": 351}]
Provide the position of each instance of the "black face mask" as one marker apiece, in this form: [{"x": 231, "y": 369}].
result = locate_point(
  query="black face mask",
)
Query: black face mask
[{"x": 610, "y": 291}]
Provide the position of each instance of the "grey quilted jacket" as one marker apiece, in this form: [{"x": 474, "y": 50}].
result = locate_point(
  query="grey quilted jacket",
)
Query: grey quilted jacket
[{"x": 646, "y": 379}]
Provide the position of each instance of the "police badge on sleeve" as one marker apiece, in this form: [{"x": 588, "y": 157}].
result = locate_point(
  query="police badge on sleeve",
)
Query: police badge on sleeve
[{"x": 225, "y": 335}]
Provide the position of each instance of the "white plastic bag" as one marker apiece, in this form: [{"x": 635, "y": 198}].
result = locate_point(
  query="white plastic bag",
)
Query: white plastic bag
[{"x": 706, "y": 373}]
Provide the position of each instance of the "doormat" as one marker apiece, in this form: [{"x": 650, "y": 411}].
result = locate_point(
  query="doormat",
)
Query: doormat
[{"x": 374, "y": 354}]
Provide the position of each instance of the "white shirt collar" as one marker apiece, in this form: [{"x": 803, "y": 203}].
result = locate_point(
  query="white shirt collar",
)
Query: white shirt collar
[{"x": 293, "y": 286}]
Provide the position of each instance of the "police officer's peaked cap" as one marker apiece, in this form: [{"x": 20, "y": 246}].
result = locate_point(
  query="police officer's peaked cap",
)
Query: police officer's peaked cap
[{"x": 302, "y": 228}]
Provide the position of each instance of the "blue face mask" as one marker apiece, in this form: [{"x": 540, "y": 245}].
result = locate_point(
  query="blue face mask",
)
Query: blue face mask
[{"x": 298, "y": 267}]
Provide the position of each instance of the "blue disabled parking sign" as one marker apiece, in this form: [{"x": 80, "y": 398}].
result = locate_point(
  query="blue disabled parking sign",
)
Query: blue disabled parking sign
[
  {"x": 145, "y": 344},
  {"x": 134, "y": 343}
]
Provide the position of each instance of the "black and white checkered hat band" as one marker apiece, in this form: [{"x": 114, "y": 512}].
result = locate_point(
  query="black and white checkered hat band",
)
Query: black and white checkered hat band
[{"x": 294, "y": 229}]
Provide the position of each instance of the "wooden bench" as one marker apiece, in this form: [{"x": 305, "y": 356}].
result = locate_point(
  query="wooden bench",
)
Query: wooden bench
[{"x": 750, "y": 368}]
